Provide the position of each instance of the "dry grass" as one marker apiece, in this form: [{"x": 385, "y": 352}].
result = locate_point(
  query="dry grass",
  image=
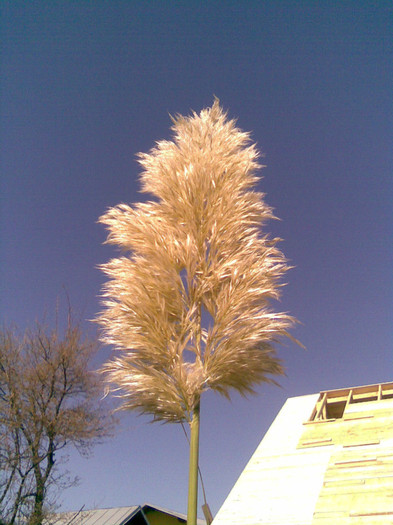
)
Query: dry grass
[{"x": 198, "y": 275}]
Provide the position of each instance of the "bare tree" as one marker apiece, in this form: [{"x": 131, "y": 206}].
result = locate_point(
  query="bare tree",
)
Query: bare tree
[
  {"x": 49, "y": 400},
  {"x": 189, "y": 306}
]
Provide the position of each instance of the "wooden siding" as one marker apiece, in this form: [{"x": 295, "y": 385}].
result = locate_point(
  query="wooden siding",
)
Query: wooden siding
[
  {"x": 358, "y": 483},
  {"x": 336, "y": 471},
  {"x": 280, "y": 484}
]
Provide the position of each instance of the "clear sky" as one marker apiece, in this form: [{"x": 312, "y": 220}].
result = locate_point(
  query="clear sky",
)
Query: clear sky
[{"x": 85, "y": 85}]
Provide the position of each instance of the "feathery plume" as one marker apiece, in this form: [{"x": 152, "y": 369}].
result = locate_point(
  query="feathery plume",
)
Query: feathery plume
[{"x": 188, "y": 305}]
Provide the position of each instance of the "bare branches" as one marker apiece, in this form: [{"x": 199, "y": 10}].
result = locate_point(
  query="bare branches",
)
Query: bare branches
[
  {"x": 49, "y": 400},
  {"x": 199, "y": 274}
]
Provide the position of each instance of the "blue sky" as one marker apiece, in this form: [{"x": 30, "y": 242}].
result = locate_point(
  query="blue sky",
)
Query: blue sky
[{"x": 86, "y": 85}]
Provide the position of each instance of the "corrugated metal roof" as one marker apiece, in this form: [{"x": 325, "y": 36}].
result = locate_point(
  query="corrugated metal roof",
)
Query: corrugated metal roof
[{"x": 113, "y": 516}]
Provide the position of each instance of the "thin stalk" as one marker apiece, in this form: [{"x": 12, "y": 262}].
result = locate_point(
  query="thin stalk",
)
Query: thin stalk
[
  {"x": 194, "y": 436},
  {"x": 193, "y": 468}
]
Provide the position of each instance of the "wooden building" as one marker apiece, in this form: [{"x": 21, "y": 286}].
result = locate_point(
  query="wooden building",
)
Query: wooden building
[{"x": 327, "y": 459}]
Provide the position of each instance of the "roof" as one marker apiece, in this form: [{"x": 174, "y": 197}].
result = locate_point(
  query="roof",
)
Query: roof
[{"x": 112, "y": 516}]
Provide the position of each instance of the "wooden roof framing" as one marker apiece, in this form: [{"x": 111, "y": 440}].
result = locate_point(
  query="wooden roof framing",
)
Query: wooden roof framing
[{"x": 326, "y": 460}]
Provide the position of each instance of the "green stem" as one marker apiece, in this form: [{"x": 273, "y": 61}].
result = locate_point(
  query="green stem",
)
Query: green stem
[{"x": 193, "y": 470}]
